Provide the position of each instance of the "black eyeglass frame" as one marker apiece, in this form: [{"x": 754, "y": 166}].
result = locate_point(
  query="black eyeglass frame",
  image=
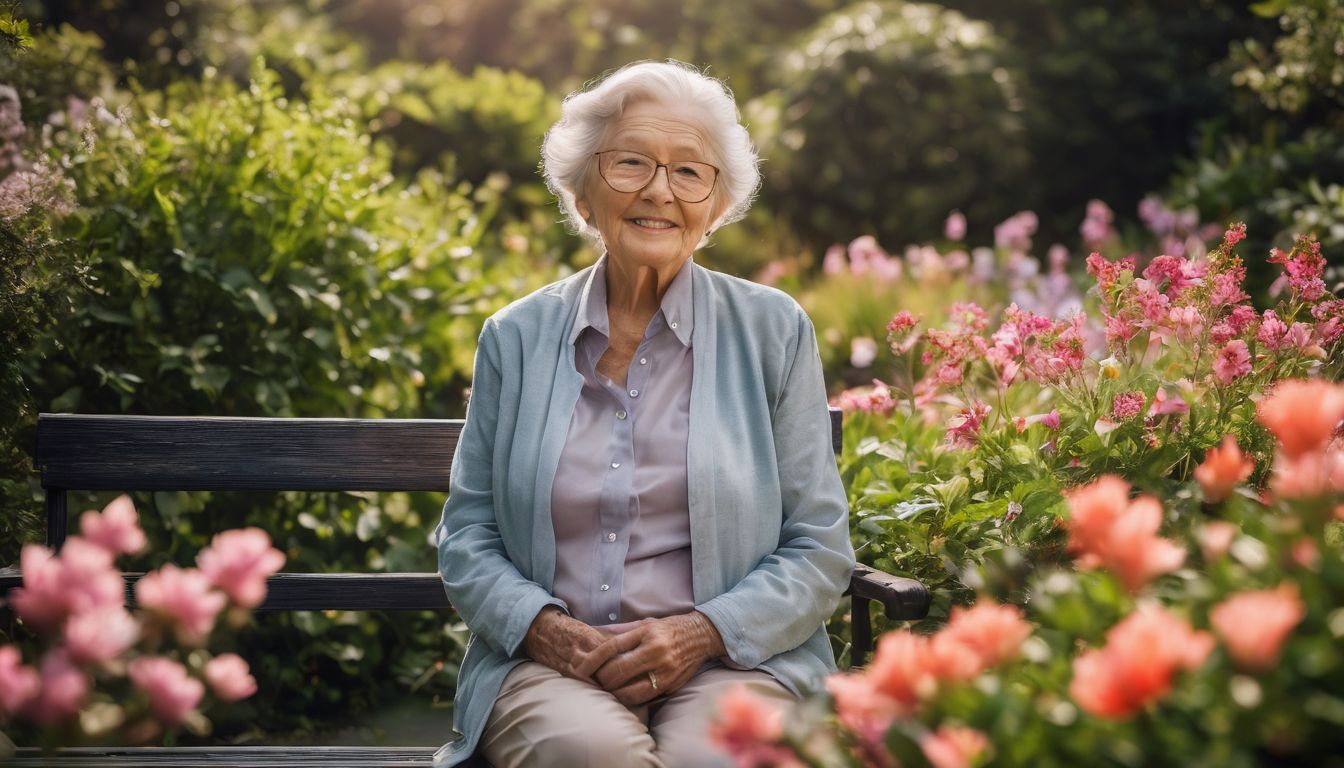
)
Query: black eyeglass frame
[{"x": 656, "y": 165}]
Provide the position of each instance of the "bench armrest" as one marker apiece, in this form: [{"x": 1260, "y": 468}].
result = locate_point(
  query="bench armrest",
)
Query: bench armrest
[{"x": 902, "y": 599}]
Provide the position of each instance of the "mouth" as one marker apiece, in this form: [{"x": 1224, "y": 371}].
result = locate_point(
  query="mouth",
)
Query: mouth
[{"x": 652, "y": 223}]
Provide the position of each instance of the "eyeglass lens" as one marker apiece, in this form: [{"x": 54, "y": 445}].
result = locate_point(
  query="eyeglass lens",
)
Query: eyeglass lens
[{"x": 629, "y": 171}]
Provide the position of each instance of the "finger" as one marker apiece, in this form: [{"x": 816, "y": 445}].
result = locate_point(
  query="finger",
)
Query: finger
[
  {"x": 595, "y": 658},
  {"x": 636, "y": 693}
]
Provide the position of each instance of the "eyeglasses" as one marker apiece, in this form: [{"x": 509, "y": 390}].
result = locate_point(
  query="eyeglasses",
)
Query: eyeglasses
[{"x": 626, "y": 171}]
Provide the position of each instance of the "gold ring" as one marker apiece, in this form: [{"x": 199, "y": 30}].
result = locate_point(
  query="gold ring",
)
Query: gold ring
[{"x": 653, "y": 680}]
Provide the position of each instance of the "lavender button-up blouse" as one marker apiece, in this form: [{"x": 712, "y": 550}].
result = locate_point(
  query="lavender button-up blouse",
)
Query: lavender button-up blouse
[{"x": 619, "y": 503}]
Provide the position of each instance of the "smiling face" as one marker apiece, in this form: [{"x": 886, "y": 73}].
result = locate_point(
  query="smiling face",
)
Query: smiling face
[{"x": 650, "y": 227}]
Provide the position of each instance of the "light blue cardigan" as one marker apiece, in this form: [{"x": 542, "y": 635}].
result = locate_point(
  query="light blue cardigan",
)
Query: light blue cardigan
[{"x": 769, "y": 519}]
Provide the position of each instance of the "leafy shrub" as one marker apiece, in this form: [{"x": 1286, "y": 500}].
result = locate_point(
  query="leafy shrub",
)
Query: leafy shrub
[{"x": 880, "y": 111}]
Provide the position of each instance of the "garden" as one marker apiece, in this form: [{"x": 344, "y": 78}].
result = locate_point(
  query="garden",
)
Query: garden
[{"x": 1077, "y": 277}]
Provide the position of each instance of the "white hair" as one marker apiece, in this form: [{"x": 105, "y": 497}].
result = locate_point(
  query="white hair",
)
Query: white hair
[{"x": 567, "y": 151}]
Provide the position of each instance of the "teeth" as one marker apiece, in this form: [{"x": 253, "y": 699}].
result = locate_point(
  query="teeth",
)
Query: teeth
[{"x": 653, "y": 224}]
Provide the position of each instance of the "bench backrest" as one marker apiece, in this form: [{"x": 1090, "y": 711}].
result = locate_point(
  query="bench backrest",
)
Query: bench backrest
[{"x": 180, "y": 453}]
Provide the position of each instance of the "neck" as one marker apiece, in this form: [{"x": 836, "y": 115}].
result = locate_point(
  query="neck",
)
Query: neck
[{"x": 637, "y": 291}]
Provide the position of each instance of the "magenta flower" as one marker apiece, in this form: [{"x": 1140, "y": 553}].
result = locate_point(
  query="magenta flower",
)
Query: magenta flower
[
  {"x": 1127, "y": 405},
  {"x": 63, "y": 690},
  {"x": 1303, "y": 267},
  {"x": 18, "y": 683},
  {"x": 1272, "y": 331},
  {"x": 875, "y": 399},
  {"x": 229, "y": 677},
  {"x": 1164, "y": 404},
  {"x": 1234, "y": 234},
  {"x": 100, "y": 635},
  {"x": 1233, "y": 362},
  {"x": 173, "y": 694},
  {"x": 116, "y": 529},
  {"x": 963, "y": 430},
  {"x": 184, "y": 598},
  {"x": 239, "y": 562}
]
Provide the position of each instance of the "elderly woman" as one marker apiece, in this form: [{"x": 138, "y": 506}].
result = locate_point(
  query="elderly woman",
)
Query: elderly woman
[{"x": 644, "y": 508}]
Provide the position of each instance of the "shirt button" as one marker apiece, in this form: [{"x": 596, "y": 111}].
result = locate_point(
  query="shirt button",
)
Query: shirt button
[
  {"x": 615, "y": 465},
  {"x": 644, "y": 360},
  {"x": 611, "y": 616},
  {"x": 611, "y": 537},
  {"x": 634, "y": 393},
  {"x": 674, "y": 325},
  {"x": 605, "y": 587},
  {"x": 621, "y": 415}
]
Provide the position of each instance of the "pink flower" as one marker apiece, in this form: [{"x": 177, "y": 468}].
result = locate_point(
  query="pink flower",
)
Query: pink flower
[
  {"x": 1015, "y": 232},
  {"x": 861, "y": 707},
  {"x": 1135, "y": 668},
  {"x": 184, "y": 597},
  {"x": 834, "y": 263},
  {"x": 875, "y": 399},
  {"x": 1234, "y": 234},
  {"x": 18, "y": 683},
  {"x": 116, "y": 529},
  {"x": 1302, "y": 414},
  {"x": 1308, "y": 476},
  {"x": 862, "y": 351},
  {"x": 899, "y": 670},
  {"x": 229, "y": 677},
  {"x": 900, "y": 336},
  {"x": 950, "y": 661},
  {"x": 994, "y": 632},
  {"x": 1233, "y": 362},
  {"x": 1107, "y": 530},
  {"x": 100, "y": 635},
  {"x": 173, "y": 694},
  {"x": 63, "y": 690},
  {"x": 749, "y": 729},
  {"x": 1164, "y": 404},
  {"x": 1127, "y": 405},
  {"x": 1272, "y": 330},
  {"x": 955, "y": 747},
  {"x": 1254, "y": 625},
  {"x": 1107, "y": 272},
  {"x": 1303, "y": 267},
  {"x": 1224, "y": 468},
  {"x": 1329, "y": 316},
  {"x": 40, "y": 602},
  {"x": 955, "y": 228},
  {"x": 239, "y": 561},
  {"x": 963, "y": 430},
  {"x": 1051, "y": 419}
]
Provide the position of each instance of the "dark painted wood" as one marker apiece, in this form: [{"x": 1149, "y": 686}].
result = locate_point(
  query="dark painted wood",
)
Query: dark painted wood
[
  {"x": 56, "y": 517},
  {"x": 187, "y": 453},
  {"x": 902, "y": 599},
  {"x": 837, "y": 432},
  {"x": 860, "y": 631}
]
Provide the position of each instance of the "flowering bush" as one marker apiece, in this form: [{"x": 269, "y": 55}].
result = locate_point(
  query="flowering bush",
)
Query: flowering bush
[
  {"x": 1213, "y": 642},
  {"x": 963, "y": 459},
  {"x": 105, "y": 673}
]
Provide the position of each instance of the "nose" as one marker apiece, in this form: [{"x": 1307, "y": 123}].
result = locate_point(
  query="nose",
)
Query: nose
[{"x": 657, "y": 190}]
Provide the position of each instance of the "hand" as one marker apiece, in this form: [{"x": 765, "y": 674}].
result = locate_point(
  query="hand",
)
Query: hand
[
  {"x": 566, "y": 644},
  {"x": 672, "y": 649}
]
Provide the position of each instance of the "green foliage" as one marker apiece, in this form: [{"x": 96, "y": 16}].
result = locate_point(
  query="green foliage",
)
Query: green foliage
[
  {"x": 251, "y": 254},
  {"x": 892, "y": 95},
  {"x": 1302, "y": 68}
]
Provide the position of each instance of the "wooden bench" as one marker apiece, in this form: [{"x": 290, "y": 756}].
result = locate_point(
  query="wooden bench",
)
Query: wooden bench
[{"x": 164, "y": 453}]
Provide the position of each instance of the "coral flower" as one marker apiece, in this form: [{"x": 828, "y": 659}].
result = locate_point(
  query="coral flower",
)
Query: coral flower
[
  {"x": 1216, "y": 537},
  {"x": 1308, "y": 476},
  {"x": 115, "y": 529},
  {"x": 900, "y": 670},
  {"x": 239, "y": 562},
  {"x": 1224, "y": 468},
  {"x": 749, "y": 728},
  {"x": 993, "y": 632},
  {"x": 1107, "y": 530},
  {"x": 1254, "y": 625},
  {"x": 18, "y": 683},
  {"x": 862, "y": 708},
  {"x": 1302, "y": 414},
  {"x": 1135, "y": 668},
  {"x": 184, "y": 597},
  {"x": 173, "y": 694},
  {"x": 229, "y": 677},
  {"x": 955, "y": 747}
]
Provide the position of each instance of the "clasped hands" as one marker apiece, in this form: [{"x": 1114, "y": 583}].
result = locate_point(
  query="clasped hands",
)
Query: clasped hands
[{"x": 671, "y": 648}]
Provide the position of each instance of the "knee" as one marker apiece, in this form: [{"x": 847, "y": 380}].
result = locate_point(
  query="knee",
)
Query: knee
[{"x": 597, "y": 745}]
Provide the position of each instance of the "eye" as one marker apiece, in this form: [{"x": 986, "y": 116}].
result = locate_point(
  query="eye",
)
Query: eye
[
  {"x": 633, "y": 162},
  {"x": 688, "y": 171}
]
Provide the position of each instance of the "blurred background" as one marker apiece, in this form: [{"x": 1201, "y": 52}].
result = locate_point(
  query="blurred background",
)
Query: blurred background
[{"x": 307, "y": 208}]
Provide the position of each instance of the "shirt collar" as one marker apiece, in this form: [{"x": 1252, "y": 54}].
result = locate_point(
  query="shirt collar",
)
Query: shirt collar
[{"x": 677, "y": 307}]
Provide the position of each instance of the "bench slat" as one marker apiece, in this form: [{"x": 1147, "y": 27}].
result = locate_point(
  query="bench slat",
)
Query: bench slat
[{"x": 187, "y": 453}]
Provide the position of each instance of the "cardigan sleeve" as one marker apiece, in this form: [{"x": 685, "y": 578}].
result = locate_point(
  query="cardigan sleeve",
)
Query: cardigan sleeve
[
  {"x": 793, "y": 590},
  {"x": 495, "y": 600}
]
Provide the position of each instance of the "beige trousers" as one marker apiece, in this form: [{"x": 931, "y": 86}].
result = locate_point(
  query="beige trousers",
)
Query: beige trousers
[{"x": 542, "y": 718}]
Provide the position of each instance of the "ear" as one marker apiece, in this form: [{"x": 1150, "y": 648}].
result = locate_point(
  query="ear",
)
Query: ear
[{"x": 581, "y": 206}]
